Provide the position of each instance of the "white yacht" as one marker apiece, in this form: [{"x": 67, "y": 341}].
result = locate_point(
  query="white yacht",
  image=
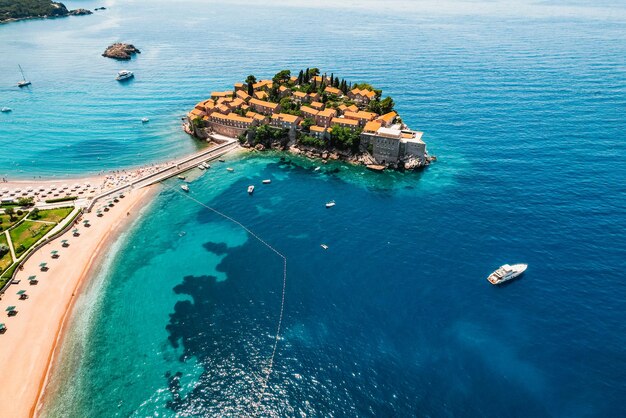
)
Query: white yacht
[
  {"x": 6, "y": 110},
  {"x": 268, "y": 181},
  {"x": 184, "y": 187},
  {"x": 330, "y": 204},
  {"x": 201, "y": 166},
  {"x": 145, "y": 120},
  {"x": 230, "y": 169},
  {"x": 507, "y": 272},
  {"x": 181, "y": 177},
  {"x": 250, "y": 189},
  {"x": 124, "y": 75}
]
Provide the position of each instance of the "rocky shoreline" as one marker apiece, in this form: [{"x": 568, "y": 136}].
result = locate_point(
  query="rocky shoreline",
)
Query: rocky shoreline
[
  {"x": 56, "y": 10},
  {"x": 121, "y": 51},
  {"x": 362, "y": 159}
]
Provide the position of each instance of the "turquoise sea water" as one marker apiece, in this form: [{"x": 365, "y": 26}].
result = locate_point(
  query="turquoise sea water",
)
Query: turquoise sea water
[{"x": 523, "y": 103}]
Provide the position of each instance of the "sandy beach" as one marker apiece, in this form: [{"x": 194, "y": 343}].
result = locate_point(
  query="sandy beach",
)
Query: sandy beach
[{"x": 28, "y": 346}]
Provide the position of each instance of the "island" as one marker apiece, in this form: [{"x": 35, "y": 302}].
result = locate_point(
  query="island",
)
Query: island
[
  {"x": 12, "y": 10},
  {"x": 319, "y": 116},
  {"x": 120, "y": 51}
]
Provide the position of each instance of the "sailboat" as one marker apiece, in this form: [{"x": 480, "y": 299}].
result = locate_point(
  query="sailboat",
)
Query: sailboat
[{"x": 24, "y": 82}]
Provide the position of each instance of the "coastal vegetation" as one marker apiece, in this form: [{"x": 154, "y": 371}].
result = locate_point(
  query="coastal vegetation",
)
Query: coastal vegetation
[
  {"x": 27, "y": 233},
  {"x": 50, "y": 215},
  {"x": 26, "y": 228},
  {"x": 5, "y": 254},
  {"x": 26, "y": 9}
]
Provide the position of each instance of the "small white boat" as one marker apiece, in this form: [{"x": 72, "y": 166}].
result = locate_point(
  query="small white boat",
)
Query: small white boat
[
  {"x": 207, "y": 166},
  {"x": 181, "y": 177},
  {"x": 267, "y": 181},
  {"x": 316, "y": 169},
  {"x": 145, "y": 120},
  {"x": 330, "y": 204},
  {"x": 221, "y": 160},
  {"x": 6, "y": 109},
  {"x": 201, "y": 166},
  {"x": 184, "y": 187},
  {"x": 507, "y": 272},
  {"x": 230, "y": 169},
  {"x": 24, "y": 81},
  {"x": 324, "y": 246},
  {"x": 124, "y": 75},
  {"x": 250, "y": 189}
]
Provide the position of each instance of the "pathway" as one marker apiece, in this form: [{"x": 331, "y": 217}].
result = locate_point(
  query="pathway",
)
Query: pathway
[{"x": 10, "y": 245}]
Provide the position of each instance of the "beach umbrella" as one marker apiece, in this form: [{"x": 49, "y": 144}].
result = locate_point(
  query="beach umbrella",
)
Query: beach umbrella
[
  {"x": 31, "y": 278},
  {"x": 10, "y": 308},
  {"x": 54, "y": 253},
  {"x": 21, "y": 292},
  {"x": 64, "y": 241},
  {"x": 43, "y": 265},
  {"x": 3, "y": 327}
]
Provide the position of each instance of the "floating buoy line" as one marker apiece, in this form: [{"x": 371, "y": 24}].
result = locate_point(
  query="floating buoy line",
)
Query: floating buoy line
[{"x": 270, "y": 365}]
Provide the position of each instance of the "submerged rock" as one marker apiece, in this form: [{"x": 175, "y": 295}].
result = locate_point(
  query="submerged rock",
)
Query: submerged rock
[{"x": 121, "y": 51}]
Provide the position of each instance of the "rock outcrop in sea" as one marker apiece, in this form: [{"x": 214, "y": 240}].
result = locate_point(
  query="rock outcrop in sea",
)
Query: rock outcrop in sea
[{"x": 120, "y": 51}]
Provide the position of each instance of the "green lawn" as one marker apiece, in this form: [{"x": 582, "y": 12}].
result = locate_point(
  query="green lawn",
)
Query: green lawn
[
  {"x": 5, "y": 260},
  {"x": 53, "y": 215},
  {"x": 26, "y": 234},
  {"x": 6, "y": 222}
]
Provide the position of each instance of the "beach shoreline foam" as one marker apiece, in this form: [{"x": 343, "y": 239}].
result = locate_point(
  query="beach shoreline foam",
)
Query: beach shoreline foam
[{"x": 41, "y": 321}]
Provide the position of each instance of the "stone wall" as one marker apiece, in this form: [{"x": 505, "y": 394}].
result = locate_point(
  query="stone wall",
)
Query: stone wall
[{"x": 225, "y": 130}]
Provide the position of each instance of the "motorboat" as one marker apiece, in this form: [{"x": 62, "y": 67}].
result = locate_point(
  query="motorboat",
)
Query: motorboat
[
  {"x": 145, "y": 120},
  {"x": 330, "y": 204},
  {"x": 507, "y": 272},
  {"x": 6, "y": 110},
  {"x": 267, "y": 181},
  {"x": 230, "y": 169},
  {"x": 324, "y": 246},
  {"x": 181, "y": 177},
  {"x": 201, "y": 166},
  {"x": 250, "y": 189},
  {"x": 184, "y": 187},
  {"x": 124, "y": 75}
]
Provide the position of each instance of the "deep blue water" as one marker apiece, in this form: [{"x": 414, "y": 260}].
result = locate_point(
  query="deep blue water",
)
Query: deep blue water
[{"x": 524, "y": 104}]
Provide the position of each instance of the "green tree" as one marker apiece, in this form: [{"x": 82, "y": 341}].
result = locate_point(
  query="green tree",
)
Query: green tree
[
  {"x": 307, "y": 123},
  {"x": 35, "y": 213},
  {"x": 25, "y": 201},
  {"x": 332, "y": 79},
  {"x": 282, "y": 76},
  {"x": 250, "y": 81},
  {"x": 3, "y": 250},
  {"x": 345, "y": 138},
  {"x": 314, "y": 72},
  {"x": 11, "y": 212},
  {"x": 307, "y": 76},
  {"x": 300, "y": 77}
]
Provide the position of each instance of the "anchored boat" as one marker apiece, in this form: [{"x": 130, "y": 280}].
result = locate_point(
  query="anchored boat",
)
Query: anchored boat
[
  {"x": 507, "y": 272},
  {"x": 184, "y": 187},
  {"x": 330, "y": 204},
  {"x": 250, "y": 189},
  {"x": 124, "y": 75},
  {"x": 24, "y": 81}
]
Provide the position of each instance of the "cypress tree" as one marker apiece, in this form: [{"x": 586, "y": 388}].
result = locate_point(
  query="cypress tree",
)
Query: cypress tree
[
  {"x": 307, "y": 76},
  {"x": 332, "y": 79},
  {"x": 300, "y": 77}
]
